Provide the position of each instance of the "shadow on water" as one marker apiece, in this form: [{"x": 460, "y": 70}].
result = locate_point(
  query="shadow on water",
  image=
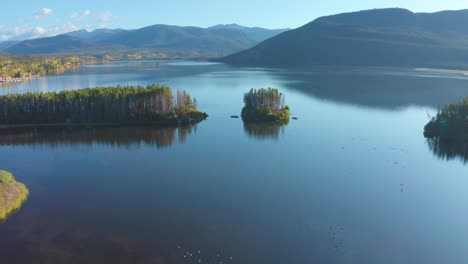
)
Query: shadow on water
[
  {"x": 119, "y": 137},
  {"x": 378, "y": 88},
  {"x": 449, "y": 150},
  {"x": 265, "y": 131}
]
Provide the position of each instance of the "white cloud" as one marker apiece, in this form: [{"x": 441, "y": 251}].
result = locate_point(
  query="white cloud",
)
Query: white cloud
[
  {"x": 42, "y": 12},
  {"x": 105, "y": 18},
  {"x": 28, "y": 32},
  {"x": 82, "y": 15},
  {"x": 93, "y": 20},
  {"x": 29, "y": 28},
  {"x": 39, "y": 31}
]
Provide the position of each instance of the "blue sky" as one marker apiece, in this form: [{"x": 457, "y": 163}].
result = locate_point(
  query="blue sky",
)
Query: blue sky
[{"x": 32, "y": 18}]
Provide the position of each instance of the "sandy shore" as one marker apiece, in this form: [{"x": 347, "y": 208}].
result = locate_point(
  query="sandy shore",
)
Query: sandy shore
[{"x": 461, "y": 72}]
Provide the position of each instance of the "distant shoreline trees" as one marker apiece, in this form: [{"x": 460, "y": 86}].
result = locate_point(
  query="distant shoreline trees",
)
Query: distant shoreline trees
[
  {"x": 267, "y": 105},
  {"x": 36, "y": 66},
  {"x": 116, "y": 105}
]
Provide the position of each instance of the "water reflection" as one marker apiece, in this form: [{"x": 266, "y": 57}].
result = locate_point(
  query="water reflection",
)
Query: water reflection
[
  {"x": 115, "y": 136},
  {"x": 449, "y": 150},
  {"x": 266, "y": 130},
  {"x": 114, "y": 73},
  {"x": 379, "y": 88}
]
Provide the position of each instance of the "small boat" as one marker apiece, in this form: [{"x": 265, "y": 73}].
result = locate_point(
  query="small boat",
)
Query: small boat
[
  {"x": 295, "y": 118},
  {"x": 234, "y": 116}
]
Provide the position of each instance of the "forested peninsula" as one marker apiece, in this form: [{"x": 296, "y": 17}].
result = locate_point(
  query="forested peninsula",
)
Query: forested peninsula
[{"x": 120, "y": 105}]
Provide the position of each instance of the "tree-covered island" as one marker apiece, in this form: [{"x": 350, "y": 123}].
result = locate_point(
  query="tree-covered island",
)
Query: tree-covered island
[
  {"x": 264, "y": 105},
  {"x": 12, "y": 194},
  {"x": 121, "y": 105},
  {"x": 450, "y": 123}
]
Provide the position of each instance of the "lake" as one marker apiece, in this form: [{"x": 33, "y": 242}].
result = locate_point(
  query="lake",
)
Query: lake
[{"x": 353, "y": 180}]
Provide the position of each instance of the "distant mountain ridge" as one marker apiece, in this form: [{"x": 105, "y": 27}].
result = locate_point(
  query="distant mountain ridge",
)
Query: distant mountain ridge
[
  {"x": 7, "y": 44},
  {"x": 57, "y": 44},
  {"x": 255, "y": 33},
  {"x": 96, "y": 35},
  {"x": 379, "y": 37},
  {"x": 156, "y": 40}
]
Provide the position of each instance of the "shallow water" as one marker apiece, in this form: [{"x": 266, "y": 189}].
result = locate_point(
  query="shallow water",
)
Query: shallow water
[{"x": 352, "y": 181}]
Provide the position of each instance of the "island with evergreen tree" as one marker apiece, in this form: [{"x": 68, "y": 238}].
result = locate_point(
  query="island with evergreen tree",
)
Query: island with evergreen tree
[
  {"x": 450, "y": 123},
  {"x": 265, "y": 105},
  {"x": 12, "y": 194},
  {"x": 120, "y": 105}
]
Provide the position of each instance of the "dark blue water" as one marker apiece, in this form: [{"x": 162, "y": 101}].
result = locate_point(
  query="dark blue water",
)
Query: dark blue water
[{"x": 352, "y": 181}]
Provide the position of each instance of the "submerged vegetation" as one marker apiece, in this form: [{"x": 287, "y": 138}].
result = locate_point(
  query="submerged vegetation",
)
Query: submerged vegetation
[
  {"x": 450, "y": 123},
  {"x": 264, "y": 105},
  {"x": 12, "y": 194},
  {"x": 121, "y": 105}
]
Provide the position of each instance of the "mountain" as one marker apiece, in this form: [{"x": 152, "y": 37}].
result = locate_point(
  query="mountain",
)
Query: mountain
[
  {"x": 95, "y": 35},
  {"x": 255, "y": 33},
  {"x": 182, "y": 39},
  {"x": 7, "y": 44},
  {"x": 58, "y": 44},
  {"x": 381, "y": 37},
  {"x": 157, "y": 41}
]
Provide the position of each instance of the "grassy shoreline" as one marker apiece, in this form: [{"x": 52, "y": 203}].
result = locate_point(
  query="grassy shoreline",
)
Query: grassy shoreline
[{"x": 12, "y": 194}]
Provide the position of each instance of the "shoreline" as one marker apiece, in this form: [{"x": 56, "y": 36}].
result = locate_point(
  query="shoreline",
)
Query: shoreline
[
  {"x": 9, "y": 80},
  {"x": 163, "y": 123},
  {"x": 446, "y": 71}
]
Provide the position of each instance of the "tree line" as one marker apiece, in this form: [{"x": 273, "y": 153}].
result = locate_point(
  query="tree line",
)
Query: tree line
[
  {"x": 96, "y": 105},
  {"x": 264, "y": 99}
]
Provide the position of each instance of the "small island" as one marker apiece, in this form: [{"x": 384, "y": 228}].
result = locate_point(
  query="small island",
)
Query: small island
[
  {"x": 450, "y": 123},
  {"x": 12, "y": 194},
  {"x": 103, "y": 106},
  {"x": 265, "y": 105}
]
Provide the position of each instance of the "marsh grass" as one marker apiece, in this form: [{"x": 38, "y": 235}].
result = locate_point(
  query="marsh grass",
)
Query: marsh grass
[{"x": 12, "y": 194}]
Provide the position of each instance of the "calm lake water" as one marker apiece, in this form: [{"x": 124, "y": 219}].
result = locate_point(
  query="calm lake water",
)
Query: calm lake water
[{"x": 352, "y": 181}]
